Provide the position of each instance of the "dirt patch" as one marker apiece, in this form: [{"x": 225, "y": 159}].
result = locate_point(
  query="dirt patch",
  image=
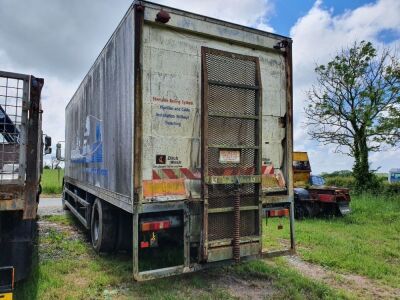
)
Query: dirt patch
[
  {"x": 70, "y": 231},
  {"x": 246, "y": 289},
  {"x": 357, "y": 285},
  {"x": 50, "y": 195},
  {"x": 50, "y": 211}
]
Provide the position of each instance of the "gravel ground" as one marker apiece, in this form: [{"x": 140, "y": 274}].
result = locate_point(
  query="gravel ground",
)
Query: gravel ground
[{"x": 50, "y": 206}]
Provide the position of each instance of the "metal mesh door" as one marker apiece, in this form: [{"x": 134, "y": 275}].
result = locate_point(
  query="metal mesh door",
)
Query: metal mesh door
[
  {"x": 231, "y": 134},
  {"x": 13, "y": 96}
]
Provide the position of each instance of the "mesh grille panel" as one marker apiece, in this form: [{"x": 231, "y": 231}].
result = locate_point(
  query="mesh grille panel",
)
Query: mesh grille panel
[
  {"x": 232, "y": 126},
  {"x": 249, "y": 223},
  {"x": 11, "y": 100},
  {"x": 235, "y": 131},
  {"x": 220, "y": 225},
  {"x": 231, "y": 70},
  {"x": 222, "y": 195},
  {"x": 231, "y": 100}
]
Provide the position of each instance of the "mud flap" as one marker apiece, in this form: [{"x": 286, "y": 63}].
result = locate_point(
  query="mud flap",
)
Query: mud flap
[
  {"x": 344, "y": 208},
  {"x": 17, "y": 246}
]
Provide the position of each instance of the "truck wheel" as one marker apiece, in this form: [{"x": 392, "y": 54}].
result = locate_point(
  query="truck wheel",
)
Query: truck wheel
[{"x": 103, "y": 227}]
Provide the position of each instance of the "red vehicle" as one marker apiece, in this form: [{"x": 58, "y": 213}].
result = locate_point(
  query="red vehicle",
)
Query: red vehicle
[{"x": 311, "y": 196}]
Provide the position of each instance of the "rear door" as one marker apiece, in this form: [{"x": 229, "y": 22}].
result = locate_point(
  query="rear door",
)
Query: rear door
[{"x": 231, "y": 155}]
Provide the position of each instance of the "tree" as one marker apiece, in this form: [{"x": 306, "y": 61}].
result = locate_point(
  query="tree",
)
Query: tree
[{"x": 355, "y": 105}]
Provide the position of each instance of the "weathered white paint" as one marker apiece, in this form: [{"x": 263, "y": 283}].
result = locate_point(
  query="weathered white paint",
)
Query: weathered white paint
[{"x": 172, "y": 70}]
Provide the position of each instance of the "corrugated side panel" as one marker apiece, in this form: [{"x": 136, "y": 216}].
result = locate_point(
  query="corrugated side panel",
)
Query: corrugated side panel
[
  {"x": 171, "y": 100},
  {"x": 99, "y": 121}
]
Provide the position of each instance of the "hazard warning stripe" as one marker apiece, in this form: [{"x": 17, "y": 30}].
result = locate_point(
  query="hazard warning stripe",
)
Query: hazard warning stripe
[
  {"x": 155, "y": 175},
  {"x": 267, "y": 170},
  {"x": 190, "y": 175},
  {"x": 175, "y": 173},
  {"x": 170, "y": 173}
]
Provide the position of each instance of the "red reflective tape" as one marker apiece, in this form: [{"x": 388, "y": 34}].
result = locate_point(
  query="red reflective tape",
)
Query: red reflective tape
[
  {"x": 278, "y": 213},
  {"x": 187, "y": 173},
  {"x": 267, "y": 170},
  {"x": 155, "y": 175},
  {"x": 170, "y": 174}
]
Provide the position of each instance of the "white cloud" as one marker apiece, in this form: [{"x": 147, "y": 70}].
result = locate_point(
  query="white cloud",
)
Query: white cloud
[
  {"x": 249, "y": 13},
  {"x": 316, "y": 38}
]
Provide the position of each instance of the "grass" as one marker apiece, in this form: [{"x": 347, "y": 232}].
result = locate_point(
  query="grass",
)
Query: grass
[
  {"x": 69, "y": 269},
  {"x": 52, "y": 181},
  {"x": 366, "y": 242},
  {"x": 289, "y": 282}
]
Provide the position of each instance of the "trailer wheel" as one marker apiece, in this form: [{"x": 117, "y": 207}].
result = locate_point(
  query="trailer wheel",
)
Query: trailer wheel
[{"x": 102, "y": 227}]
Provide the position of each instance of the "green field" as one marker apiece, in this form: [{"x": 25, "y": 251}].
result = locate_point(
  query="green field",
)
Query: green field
[
  {"x": 366, "y": 242},
  {"x": 52, "y": 181}
]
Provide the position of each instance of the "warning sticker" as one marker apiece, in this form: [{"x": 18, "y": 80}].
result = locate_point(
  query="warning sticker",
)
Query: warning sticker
[{"x": 229, "y": 156}]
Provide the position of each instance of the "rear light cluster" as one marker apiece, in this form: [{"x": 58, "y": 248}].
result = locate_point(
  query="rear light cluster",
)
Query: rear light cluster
[
  {"x": 155, "y": 225},
  {"x": 278, "y": 213},
  {"x": 144, "y": 244}
]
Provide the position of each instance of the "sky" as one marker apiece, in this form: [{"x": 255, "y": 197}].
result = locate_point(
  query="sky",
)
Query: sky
[{"x": 59, "y": 40}]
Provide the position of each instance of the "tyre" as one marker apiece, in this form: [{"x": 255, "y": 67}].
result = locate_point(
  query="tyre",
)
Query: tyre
[{"x": 103, "y": 228}]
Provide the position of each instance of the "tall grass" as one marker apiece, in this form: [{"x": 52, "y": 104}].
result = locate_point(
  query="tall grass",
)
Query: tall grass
[{"x": 52, "y": 181}]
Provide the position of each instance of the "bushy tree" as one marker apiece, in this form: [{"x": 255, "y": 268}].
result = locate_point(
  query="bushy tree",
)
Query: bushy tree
[{"x": 355, "y": 105}]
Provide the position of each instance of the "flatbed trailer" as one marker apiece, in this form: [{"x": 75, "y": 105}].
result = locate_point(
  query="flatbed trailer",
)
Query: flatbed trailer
[
  {"x": 178, "y": 138},
  {"x": 312, "y": 197}
]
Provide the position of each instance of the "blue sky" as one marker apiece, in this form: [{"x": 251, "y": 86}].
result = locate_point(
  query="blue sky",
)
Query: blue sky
[
  {"x": 287, "y": 12},
  {"x": 64, "y": 39}
]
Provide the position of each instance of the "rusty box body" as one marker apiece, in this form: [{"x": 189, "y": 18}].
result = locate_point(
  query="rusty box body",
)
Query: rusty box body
[
  {"x": 21, "y": 143},
  {"x": 186, "y": 116}
]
